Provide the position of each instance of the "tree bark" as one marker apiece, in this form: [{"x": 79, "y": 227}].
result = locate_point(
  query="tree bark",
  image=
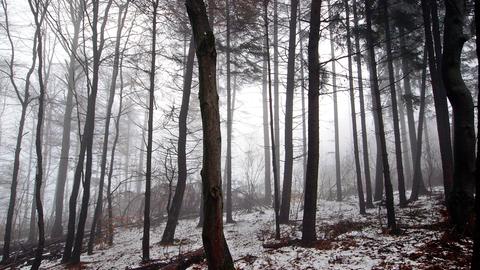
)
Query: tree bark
[
  {"x": 266, "y": 138},
  {"x": 358, "y": 170},
  {"x": 288, "y": 167},
  {"x": 215, "y": 245},
  {"x": 174, "y": 211},
  {"x": 461, "y": 197},
  {"x": 311, "y": 182}
]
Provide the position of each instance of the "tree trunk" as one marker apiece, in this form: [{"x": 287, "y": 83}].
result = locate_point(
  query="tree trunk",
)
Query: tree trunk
[
  {"x": 228, "y": 165},
  {"x": 24, "y": 101},
  {"x": 57, "y": 229},
  {"x": 302, "y": 85},
  {"x": 440, "y": 100},
  {"x": 310, "y": 203},
  {"x": 38, "y": 11},
  {"x": 476, "y": 233},
  {"x": 338, "y": 177},
  {"x": 361, "y": 199},
  {"x": 393, "y": 96},
  {"x": 461, "y": 199},
  {"x": 276, "y": 82},
  {"x": 366, "y": 162},
  {"x": 377, "y": 107},
  {"x": 215, "y": 245},
  {"x": 174, "y": 211},
  {"x": 276, "y": 184},
  {"x": 148, "y": 173},
  {"x": 95, "y": 229},
  {"x": 288, "y": 167},
  {"x": 266, "y": 139}
]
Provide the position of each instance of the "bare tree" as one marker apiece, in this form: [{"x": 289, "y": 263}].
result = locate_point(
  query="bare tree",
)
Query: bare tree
[{"x": 214, "y": 243}]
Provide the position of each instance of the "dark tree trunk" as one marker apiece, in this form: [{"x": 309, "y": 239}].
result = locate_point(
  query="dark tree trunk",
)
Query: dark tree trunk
[
  {"x": 57, "y": 229},
  {"x": 476, "y": 234},
  {"x": 366, "y": 162},
  {"x": 377, "y": 107},
  {"x": 440, "y": 100},
  {"x": 148, "y": 172},
  {"x": 215, "y": 245},
  {"x": 393, "y": 96},
  {"x": 358, "y": 170},
  {"x": 302, "y": 85},
  {"x": 276, "y": 184},
  {"x": 174, "y": 210},
  {"x": 38, "y": 11},
  {"x": 276, "y": 83},
  {"x": 288, "y": 167},
  {"x": 24, "y": 101},
  {"x": 311, "y": 182},
  {"x": 95, "y": 229},
  {"x": 461, "y": 197}
]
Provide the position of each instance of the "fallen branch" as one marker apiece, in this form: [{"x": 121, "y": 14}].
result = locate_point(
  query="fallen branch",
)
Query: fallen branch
[{"x": 180, "y": 262}]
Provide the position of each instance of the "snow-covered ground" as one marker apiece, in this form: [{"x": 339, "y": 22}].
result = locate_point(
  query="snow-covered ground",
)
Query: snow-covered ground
[{"x": 348, "y": 241}]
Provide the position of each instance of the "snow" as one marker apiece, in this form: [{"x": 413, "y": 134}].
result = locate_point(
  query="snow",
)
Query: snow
[{"x": 350, "y": 240}]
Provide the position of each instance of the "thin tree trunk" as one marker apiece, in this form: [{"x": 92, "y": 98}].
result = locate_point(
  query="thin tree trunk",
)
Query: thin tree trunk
[
  {"x": 266, "y": 138},
  {"x": 215, "y": 245},
  {"x": 288, "y": 167},
  {"x": 381, "y": 130},
  {"x": 461, "y": 199},
  {"x": 95, "y": 229},
  {"x": 361, "y": 199},
  {"x": 366, "y": 162},
  {"x": 174, "y": 211},
  {"x": 148, "y": 173},
  {"x": 57, "y": 229},
  {"x": 276, "y": 83},
  {"x": 393, "y": 96},
  {"x": 338, "y": 177},
  {"x": 24, "y": 101},
  {"x": 311, "y": 182},
  {"x": 228, "y": 165},
  {"x": 38, "y": 11},
  {"x": 302, "y": 85},
  {"x": 276, "y": 184}
]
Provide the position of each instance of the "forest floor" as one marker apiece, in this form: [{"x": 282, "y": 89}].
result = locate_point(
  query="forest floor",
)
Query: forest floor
[{"x": 348, "y": 240}]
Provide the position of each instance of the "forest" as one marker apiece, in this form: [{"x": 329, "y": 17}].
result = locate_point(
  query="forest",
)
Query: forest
[{"x": 239, "y": 134}]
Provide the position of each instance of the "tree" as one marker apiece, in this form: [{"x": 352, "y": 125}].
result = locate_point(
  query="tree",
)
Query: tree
[
  {"x": 148, "y": 173},
  {"x": 76, "y": 11},
  {"x": 276, "y": 184},
  {"x": 439, "y": 97},
  {"x": 358, "y": 58},
  {"x": 338, "y": 177},
  {"x": 86, "y": 144},
  {"x": 377, "y": 107},
  {"x": 214, "y": 243},
  {"x": 393, "y": 96},
  {"x": 95, "y": 228},
  {"x": 228, "y": 165},
  {"x": 288, "y": 167},
  {"x": 174, "y": 211},
  {"x": 310, "y": 203},
  {"x": 39, "y": 10},
  {"x": 24, "y": 102},
  {"x": 358, "y": 171},
  {"x": 461, "y": 197}
]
